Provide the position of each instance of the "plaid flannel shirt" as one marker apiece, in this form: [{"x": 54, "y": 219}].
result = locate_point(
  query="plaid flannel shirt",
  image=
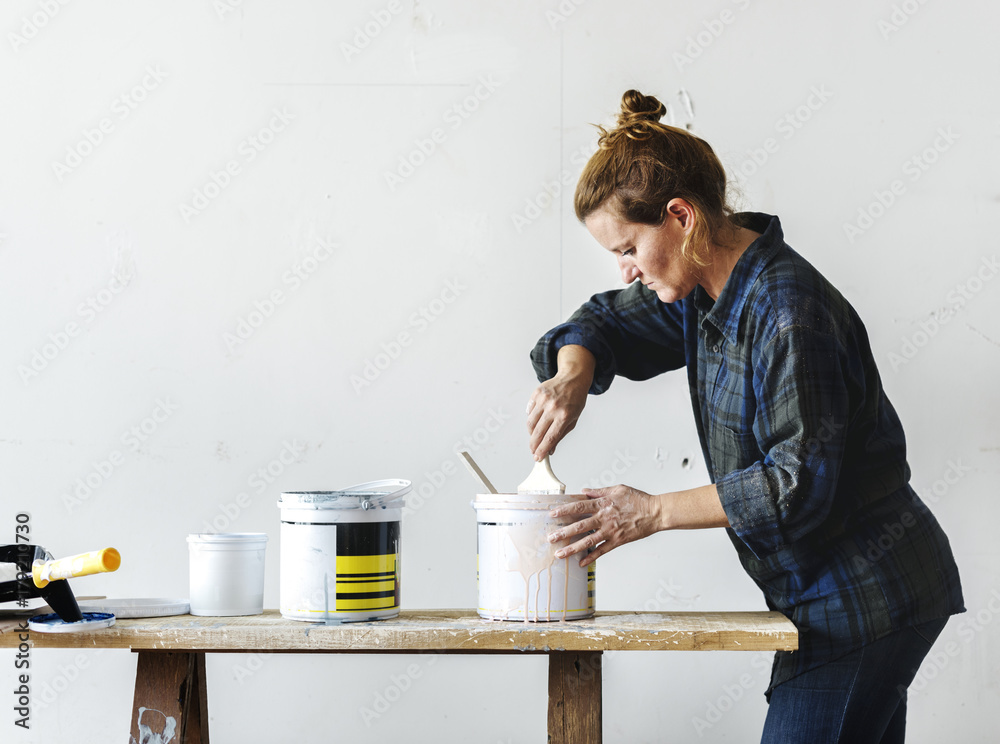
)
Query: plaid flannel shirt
[{"x": 806, "y": 451}]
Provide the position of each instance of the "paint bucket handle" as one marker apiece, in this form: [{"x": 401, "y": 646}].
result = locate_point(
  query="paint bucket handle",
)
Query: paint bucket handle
[{"x": 386, "y": 491}]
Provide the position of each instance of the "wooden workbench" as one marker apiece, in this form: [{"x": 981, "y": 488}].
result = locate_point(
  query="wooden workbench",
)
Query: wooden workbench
[{"x": 170, "y": 675}]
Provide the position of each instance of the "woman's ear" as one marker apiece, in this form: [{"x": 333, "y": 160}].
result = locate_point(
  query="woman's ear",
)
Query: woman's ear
[{"x": 683, "y": 212}]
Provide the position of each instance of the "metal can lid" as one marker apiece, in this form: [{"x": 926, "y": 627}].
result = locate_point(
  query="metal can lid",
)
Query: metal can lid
[{"x": 380, "y": 494}]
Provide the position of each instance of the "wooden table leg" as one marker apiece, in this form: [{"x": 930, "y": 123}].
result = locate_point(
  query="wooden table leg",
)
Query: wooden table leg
[
  {"x": 170, "y": 702},
  {"x": 575, "y": 713}
]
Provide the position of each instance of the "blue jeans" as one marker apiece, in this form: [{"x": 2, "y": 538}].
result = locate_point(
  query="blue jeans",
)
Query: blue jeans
[{"x": 857, "y": 699}]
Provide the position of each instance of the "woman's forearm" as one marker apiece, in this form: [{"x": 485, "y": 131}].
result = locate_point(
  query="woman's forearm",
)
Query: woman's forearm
[
  {"x": 692, "y": 509},
  {"x": 557, "y": 403},
  {"x": 616, "y": 515},
  {"x": 576, "y": 361}
]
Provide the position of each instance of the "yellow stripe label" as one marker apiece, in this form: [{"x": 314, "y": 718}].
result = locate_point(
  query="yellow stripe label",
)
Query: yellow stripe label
[
  {"x": 366, "y": 574},
  {"x": 362, "y": 564},
  {"x": 382, "y": 603},
  {"x": 353, "y": 587}
]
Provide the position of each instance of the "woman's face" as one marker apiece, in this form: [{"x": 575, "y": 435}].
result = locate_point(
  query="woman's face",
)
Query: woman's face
[{"x": 651, "y": 254}]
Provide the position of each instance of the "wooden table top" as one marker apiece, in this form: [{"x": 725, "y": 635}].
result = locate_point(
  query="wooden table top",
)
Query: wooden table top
[{"x": 434, "y": 630}]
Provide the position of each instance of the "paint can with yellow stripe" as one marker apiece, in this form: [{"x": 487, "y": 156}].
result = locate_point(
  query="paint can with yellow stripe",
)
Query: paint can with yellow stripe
[{"x": 340, "y": 552}]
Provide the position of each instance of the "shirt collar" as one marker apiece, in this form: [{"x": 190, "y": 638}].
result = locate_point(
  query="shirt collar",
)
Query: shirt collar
[{"x": 726, "y": 311}]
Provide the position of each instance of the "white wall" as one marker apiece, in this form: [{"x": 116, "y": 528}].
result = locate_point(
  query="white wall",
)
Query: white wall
[{"x": 528, "y": 80}]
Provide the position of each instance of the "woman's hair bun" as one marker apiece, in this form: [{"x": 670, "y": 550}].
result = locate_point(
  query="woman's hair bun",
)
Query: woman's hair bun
[{"x": 637, "y": 109}]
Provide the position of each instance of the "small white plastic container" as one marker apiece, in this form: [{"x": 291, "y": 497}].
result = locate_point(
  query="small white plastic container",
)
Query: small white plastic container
[
  {"x": 340, "y": 552},
  {"x": 518, "y": 574},
  {"x": 227, "y": 573}
]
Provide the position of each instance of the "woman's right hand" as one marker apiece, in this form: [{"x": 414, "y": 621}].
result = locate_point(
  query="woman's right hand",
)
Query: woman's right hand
[{"x": 556, "y": 404}]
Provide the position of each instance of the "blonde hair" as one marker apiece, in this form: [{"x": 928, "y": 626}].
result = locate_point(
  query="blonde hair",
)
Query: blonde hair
[{"x": 641, "y": 164}]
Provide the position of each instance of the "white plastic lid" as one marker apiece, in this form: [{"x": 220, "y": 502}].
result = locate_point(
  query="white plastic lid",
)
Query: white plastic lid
[
  {"x": 228, "y": 538},
  {"x": 380, "y": 494}
]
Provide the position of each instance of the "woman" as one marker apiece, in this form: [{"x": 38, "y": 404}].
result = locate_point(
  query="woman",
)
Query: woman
[{"x": 805, "y": 453}]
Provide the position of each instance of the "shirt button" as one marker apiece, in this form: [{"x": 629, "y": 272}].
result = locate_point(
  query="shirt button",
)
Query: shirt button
[{"x": 715, "y": 348}]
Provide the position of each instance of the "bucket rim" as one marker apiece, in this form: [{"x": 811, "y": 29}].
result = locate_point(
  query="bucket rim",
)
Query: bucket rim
[
  {"x": 386, "y": 494},
  {"x": 524, "y": 501},
  {"x": 227, "y": 538}
]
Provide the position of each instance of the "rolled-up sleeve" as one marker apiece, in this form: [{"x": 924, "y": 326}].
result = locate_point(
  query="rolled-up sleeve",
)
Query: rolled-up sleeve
[
  {"x": 630, "y": 332},
  {"x": 800, "y": 432}
]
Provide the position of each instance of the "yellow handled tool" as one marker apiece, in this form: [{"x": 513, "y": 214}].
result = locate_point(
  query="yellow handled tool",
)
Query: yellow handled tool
[{"x": 96, "y": 561}]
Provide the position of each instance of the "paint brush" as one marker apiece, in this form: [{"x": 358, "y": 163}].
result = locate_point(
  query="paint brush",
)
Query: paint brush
[{"x": 541, "y": 479}]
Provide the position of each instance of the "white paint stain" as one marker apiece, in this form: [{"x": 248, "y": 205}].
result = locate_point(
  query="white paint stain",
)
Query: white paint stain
[
  {"x": 660, "y": 456},
  {"x": 146, "y": 734},
  {"x": 120, "y": 244},
  {"x": 688, "y": 104}
]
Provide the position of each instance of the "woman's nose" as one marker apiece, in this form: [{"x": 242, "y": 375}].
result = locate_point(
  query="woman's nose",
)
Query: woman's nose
[{"x": 628, "y": 268}]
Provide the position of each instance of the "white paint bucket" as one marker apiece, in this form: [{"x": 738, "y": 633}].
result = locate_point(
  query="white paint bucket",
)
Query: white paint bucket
[
  {"x": 340, "y": 552},
  {"x": 519, "y": 576},
  {"x": 227, "y": 573}
]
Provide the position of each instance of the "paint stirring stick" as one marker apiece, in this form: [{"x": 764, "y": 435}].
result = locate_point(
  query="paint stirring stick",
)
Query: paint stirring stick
[{"x": 474, "y": 469}]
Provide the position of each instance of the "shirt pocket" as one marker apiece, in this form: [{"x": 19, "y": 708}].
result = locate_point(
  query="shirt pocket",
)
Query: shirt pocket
[{"x": 732, "y": 450}]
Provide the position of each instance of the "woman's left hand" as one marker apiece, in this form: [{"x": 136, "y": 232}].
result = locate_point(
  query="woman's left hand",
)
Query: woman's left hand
[{"x": 618, "y": 515}]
